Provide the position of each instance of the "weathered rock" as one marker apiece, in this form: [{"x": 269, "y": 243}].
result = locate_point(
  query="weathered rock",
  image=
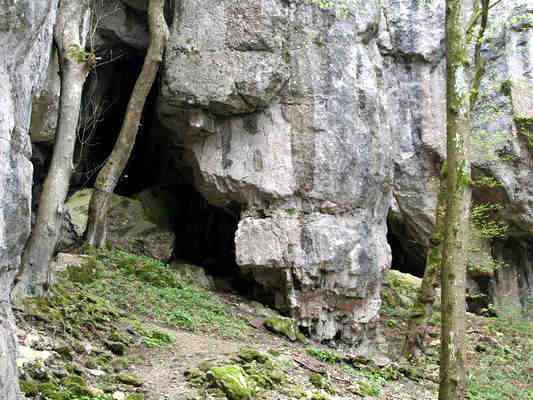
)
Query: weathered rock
[
  {"x": 27, "y": 355},
  {"x": 130, "y": 379},
  {"x": 25, "y": 45},
  {"x": 129, "y": 227},
  {"x": 118, "y": 25},
  {"x": 280, "y": 107},
  {"x": 193, "y": 274},
  {"x": 45, "y": 108}
]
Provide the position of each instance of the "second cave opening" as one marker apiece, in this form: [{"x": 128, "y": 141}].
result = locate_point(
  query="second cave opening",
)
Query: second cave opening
[{"x": 408, "y": 255}]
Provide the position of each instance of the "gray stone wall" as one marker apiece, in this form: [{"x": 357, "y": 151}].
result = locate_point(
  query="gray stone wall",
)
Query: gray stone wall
[{"x": 25, "y": 45}]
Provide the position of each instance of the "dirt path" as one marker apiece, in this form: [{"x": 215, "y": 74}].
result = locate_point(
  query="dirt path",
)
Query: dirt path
[{"x": 163, "y": 369}]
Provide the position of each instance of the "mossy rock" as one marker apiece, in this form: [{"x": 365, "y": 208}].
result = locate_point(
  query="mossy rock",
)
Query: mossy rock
[
  {"x": 248, "y": 355},
  {"x": 117, "y": 348},
  {"x": 76, "y": 385},
  {"x": 285, "y": 327},
  {"x": 233, "y": 381},
  {"x": 130, "y": 379},
  {"x": 195, "y": 376},
  {"x": 321, "y": 382},
  {"x": 29, "y": 388}
]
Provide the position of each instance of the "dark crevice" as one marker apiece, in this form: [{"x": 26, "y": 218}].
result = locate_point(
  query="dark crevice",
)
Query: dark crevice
[
  {"x": 408, "y": 255},
  {"x": 205, "y": 234}
]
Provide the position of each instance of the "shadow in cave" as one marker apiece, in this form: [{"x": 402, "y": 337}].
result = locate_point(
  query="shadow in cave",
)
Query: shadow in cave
[
  {"x": 205, "y": 234},
  {"x": 408, "y": 256}
]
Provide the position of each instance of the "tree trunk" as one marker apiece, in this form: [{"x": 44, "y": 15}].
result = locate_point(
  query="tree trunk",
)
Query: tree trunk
[
  {"x": 422, "y": 310},
  {"x": 454, "y": 258},
  {"x": 71, "y": 29},
  {"x": 108, "y": 177}
]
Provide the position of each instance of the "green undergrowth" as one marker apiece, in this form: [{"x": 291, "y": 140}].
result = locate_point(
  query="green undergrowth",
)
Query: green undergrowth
[
  {"x": 503, "y": 366},
  {"x": 86, "y": 332},
  {"x": 151, "y": 289},
  {"x": 114, "y": 304},
  {"x": 499, "y": 349}
]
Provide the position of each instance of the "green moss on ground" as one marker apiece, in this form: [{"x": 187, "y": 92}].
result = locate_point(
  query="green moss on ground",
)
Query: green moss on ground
[{"x": 147, "y": 287}]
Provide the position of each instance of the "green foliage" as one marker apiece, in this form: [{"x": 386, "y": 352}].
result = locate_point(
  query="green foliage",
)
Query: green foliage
[
  {"x": 506, "y": 87},
  {"x": 484, "y": 220},
  {"x": 81, "y": 56},
  {"x": 327, "y": 356},
  {"x": 321, "y": 382},
  {"x": 487, "y": 182},
  {"x": 148, "y": 287},
  {"x": 525, "y": 128},
  {"x": 156, "y": 338},
  {"x": 504, "y": 372}
]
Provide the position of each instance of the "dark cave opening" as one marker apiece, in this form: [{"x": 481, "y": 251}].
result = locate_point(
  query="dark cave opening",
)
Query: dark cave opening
[
  {"x": 408, "y": 255},
  {"x": 104, "y": 106},
  {"x": 204, "y": 233}
]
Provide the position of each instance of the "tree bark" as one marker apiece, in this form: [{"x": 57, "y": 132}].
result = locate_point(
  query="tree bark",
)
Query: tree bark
[
  {"x": 108, "y": 177},
  {"x": 422, "y": 310},
  {"x": 455, "y": 247},
  {"x": 70, "y": 34}
]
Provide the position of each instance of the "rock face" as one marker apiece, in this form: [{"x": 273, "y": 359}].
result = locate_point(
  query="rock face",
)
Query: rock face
[
  {"x": 281, "y": 108},
  {"x": 25, "y": 45},
  {"x": 311, "y": 118}
]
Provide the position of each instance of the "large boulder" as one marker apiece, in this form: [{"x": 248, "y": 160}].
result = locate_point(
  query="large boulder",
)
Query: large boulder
[
  {"x": 25, "y": 44},
  {"x": 129, "y": 226}
]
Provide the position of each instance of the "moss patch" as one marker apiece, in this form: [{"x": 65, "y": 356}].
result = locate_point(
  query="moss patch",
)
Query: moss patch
[
  {"x": 286, "y": 327},
  {"x": 233, "y": 381}
]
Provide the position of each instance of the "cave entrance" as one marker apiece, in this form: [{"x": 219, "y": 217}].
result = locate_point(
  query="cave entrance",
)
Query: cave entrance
[
  {"x": 205, "y": 235},
  {"x": 408, "y": 256},
  {"x": 157, "y": 168}
]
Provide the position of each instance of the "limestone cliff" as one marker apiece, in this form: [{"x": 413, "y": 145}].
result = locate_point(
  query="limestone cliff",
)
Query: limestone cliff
[
  {"x": 25, "y": 46},
  {"x": 317, "y": 123}
]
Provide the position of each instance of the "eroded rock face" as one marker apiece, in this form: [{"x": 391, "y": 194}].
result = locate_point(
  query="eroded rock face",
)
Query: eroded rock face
[
  {"x": 281, "y": 108},
  {"x": 310, "y": 118},
  {"x": 25, "y": 43}
]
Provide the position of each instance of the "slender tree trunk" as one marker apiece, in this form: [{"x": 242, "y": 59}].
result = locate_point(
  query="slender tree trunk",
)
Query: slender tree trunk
[
  {"x": 108, "y": 177},
  {"x": 422, "y": 310},
  {"x": 71, "y": 29},
  {"x": 454, "y": 259}
]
